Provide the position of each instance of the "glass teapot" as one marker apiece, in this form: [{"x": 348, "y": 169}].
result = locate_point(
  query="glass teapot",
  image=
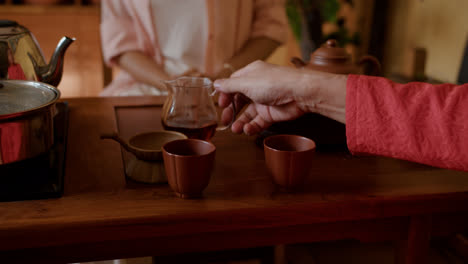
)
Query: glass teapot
[
  {"x": 21, "y": 57},
  {"x": 190, "y": 108}
]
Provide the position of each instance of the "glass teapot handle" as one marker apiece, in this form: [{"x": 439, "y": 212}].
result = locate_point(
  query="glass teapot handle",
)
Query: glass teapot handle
[{"x": 234, "y": 111}]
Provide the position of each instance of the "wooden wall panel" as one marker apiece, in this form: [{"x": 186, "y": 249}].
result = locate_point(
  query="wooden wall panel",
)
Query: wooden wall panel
[
  {"x": 439, "y": 27},
  {"x": 83, "y": 73}
]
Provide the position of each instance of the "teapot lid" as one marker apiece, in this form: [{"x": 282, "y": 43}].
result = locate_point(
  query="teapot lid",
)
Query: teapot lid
[
  {"x": 330, "y": 51},
  {"x": 10, "y": 27}
]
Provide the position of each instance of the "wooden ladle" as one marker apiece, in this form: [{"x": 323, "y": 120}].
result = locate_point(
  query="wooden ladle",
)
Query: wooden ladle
[
  {"x": 146, "y": 146},
  {"x": 147, "y": 165}
]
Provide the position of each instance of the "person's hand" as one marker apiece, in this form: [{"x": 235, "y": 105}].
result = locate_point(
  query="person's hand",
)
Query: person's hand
[
  {"x": 279, "y": 94},
  {"x": 189, "y": 73},
  {"x": 222, "y": 74},
  {"x": 270, "y": 89}
]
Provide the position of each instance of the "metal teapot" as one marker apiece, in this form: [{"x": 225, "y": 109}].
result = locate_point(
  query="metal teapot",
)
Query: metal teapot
[
  {"x": 21, "y": 58},
  {"x": 331, "y": 58}
]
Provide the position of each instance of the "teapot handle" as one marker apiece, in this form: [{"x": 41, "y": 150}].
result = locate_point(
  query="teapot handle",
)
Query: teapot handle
[
  {"x": 298, "y": 62},
  {"x": 234, "y": 112},
  {"x": 375, "y": 65},
  {"x": 115, "y": 136}
]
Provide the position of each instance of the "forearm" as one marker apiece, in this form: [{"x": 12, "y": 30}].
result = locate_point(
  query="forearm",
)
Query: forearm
[
  {"x": 142, "y": 68},
  {"x": 254, "y": 49},
  {"x": 322, "y": 93}
]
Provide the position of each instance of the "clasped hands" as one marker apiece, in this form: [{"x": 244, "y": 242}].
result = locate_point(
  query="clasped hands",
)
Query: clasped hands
[{"x": 224, "y": 73}]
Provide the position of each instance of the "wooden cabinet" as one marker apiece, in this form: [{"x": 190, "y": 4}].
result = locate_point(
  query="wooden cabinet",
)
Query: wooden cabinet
[{"x": 83, "y": 68}]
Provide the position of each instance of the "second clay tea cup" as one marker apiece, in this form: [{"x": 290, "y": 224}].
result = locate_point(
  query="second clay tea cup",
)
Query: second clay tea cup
[
  {"x": 188, "y": 164},
  {"x": 288, "y": 159}
]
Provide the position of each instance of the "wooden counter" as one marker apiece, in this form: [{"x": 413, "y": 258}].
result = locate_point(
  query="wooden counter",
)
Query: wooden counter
[{"x": 103, "y": 216}]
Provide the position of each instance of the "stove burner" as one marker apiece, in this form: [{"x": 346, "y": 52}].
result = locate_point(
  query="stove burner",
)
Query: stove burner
[{"x": 40, "y": 177}]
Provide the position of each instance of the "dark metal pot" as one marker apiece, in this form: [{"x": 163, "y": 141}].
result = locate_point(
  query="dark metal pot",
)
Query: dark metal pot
[{"x": 27, "y": 109}]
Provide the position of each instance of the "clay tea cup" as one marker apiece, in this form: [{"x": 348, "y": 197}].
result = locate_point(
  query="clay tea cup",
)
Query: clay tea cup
[
  {"x": 288, "y": 159},
  {"x": 188, "y": 164}
]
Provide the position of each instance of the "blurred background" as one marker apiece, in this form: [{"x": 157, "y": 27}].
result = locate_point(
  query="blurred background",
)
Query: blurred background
[{"x": 421, "y": 40}]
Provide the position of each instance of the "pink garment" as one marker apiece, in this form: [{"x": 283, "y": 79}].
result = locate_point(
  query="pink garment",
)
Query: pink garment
[
  {"x": 418, "y": 122},
  {"x": 129, "y": 26}
]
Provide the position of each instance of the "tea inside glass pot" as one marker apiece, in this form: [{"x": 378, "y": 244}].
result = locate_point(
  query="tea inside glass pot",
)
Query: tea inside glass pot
[{"x": 190, "y": 108}]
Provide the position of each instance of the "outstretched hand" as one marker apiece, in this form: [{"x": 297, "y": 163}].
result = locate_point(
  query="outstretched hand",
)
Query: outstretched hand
[
  {"x": 277, "y": 93},
  {"x": 270, "y": 99}
]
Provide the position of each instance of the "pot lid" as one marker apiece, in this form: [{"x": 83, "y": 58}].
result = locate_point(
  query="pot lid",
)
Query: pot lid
[
  {"x": 18, "y": 96},
  {"x": 10, "y": 27},
  {"x": 330, "y": 51}
]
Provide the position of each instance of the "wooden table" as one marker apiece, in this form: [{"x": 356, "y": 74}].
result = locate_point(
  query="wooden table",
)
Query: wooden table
[{"x": 102, "y": 216}]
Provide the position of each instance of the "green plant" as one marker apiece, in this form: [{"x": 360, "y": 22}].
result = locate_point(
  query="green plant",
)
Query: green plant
[
  {"x": 295, "y": 18},
  {"x": 329, "y": 9},
  {"x": 299, "y": 10}
]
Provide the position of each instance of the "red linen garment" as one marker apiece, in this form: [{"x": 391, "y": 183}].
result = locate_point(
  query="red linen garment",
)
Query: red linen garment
[
  {"x": 418, "y": 122},
  {"x": 15, "y": 72}
]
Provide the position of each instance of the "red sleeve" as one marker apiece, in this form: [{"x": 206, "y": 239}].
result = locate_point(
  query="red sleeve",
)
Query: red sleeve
[
  {"x": 418, "y": 122},
  {"x": 15, "y": 72}
]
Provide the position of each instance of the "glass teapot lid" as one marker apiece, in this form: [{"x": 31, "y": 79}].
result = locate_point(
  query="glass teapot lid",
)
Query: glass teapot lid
[{"x": 190, "y": 82}]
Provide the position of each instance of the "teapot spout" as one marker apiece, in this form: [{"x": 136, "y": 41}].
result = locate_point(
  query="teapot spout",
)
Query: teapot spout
[{"x": 52, "y": 73}]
